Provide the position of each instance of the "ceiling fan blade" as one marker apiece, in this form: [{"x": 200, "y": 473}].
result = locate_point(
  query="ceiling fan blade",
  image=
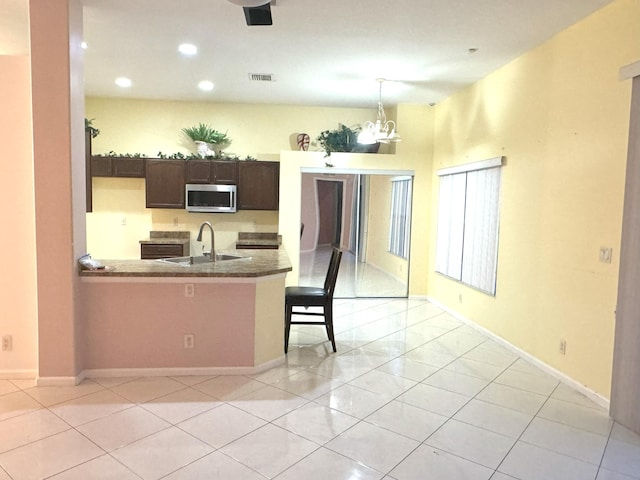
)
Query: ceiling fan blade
[{"x": 260, "y": 15}]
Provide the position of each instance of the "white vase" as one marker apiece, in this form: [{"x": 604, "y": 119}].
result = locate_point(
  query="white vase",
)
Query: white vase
[{"x": 203, "y": 148}]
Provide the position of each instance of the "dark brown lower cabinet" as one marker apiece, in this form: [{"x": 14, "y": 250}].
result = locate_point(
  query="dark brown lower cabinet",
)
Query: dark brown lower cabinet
[
  {"x": 164, "y": 183},
  {"x": 153, "y": 251},
  {"x": 258, "y": 185}
]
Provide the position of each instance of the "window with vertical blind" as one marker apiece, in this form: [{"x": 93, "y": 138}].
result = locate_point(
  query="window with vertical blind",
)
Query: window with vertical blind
[
  {"x": 468, "y": 220},
  {"x": 399, "y": 224}
]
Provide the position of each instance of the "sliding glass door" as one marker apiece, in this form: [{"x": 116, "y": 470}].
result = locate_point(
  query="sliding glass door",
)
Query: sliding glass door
[{"x": 368, "y": 216}]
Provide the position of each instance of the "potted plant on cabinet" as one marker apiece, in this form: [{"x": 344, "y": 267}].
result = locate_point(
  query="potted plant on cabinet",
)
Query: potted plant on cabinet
[{"x": 209, "y": 141}]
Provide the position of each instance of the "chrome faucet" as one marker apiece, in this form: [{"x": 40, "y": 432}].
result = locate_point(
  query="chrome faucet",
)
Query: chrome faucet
[{"x": 212, "y": 255}]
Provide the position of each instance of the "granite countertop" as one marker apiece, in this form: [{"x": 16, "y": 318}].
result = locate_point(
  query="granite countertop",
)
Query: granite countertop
[
  {"x": 258, "y": 239},
  {"x": 167, "y": 238},
  {"x": 256, "y": 263},
  {"x": 165, "y": 241}
]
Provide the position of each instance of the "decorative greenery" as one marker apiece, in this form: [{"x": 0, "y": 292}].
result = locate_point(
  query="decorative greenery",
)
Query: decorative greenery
[
  {"x": 206, "y": 133},
  {"x": 344, "y": 139},
  {"x": 88, "y": 127},
  {"x": 111, "y": 153},
  {"x": 177, "y": 156}
]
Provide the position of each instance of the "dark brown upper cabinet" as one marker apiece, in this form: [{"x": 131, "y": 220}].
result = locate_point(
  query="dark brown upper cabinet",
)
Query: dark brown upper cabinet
[
  {"x": 164, "y": 183},
  {"x": 224, "y": 172},
  {"x": 258, "y": 185},
  {"x": 102, "y": 166},
  {"x": 212, "y": 171},
  {"x": 198, "y": 171}
]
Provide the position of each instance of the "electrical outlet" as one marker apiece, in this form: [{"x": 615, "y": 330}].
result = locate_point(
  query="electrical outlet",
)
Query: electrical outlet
[
  {"x": 123, "y": 222},
  {"x": 189, "y": 340},
  {"x": 189, "y": 290},
  {"x": 605, "y": 254},
  {"x": 563, "y": 347},
  {"x": 460, "y": 298},
  {"x": 175, "y": 221},
  {"x": 7, "y": 343}
]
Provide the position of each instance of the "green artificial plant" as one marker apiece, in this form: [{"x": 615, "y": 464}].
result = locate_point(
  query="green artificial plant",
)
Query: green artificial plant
[
  {"x": 344, "y": 139},
  {"x": 206, "y": 133}
]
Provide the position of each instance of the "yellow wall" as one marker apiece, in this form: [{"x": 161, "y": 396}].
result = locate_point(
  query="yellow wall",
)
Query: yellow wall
[
  {"x": 119, "y": 218},
  {"x": 560, "y": 117},
  {"x": 150, "y": 126}
]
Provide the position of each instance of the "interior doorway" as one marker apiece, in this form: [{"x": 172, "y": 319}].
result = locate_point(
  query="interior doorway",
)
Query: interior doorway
[{"x": 329, "y": 201}]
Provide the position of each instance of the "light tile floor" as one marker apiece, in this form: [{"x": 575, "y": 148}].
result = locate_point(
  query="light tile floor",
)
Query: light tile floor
[
  {"x": 355, "y": 279},
  {"x": 412, "y": 394}
]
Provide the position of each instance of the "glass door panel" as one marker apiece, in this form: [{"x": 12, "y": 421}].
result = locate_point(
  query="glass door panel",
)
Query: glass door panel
[{"x": 360, "y": 224}]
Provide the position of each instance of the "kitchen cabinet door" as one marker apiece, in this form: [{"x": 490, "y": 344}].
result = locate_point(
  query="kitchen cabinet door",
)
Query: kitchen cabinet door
[
  {"x": 225, "y": 172},
  {"x": 164, "y": 183},
  {"x": 101, "y": 167},
  {"x": 198, "y": 171},
  {"x": 258, "y": 185},
  {"x": 153, "y": 251},
  {"x": 128, "y": 167}
]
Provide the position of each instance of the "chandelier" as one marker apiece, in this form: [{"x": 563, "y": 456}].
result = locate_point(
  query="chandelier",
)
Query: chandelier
[{"x": 383, "y": 131}]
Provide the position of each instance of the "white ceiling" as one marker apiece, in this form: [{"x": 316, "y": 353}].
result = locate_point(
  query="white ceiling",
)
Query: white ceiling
[{"x": 321, "y": 52}]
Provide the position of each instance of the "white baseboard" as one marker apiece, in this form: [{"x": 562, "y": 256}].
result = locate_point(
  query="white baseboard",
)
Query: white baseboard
[
  {"x": 562, "y": 377},
  {"x": 137, "y": 372},
  {"x": 419, "y": 297},
  {"x": 59, "y": 381},
  {"x": 17, "y": 374},
  {"x": 180, "y": 371}
]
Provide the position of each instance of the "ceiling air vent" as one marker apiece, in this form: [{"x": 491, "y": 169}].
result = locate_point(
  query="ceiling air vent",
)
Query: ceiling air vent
[{"x": 262, "y": 77}]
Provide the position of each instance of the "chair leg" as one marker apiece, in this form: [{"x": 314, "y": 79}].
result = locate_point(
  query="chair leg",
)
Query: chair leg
[
  {"x": 287, "y": 325},
  {"x": 328, "y": 317}
]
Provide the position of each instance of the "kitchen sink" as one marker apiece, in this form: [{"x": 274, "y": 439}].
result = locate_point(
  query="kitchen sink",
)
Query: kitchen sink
[{"x": 188, "y": 261}]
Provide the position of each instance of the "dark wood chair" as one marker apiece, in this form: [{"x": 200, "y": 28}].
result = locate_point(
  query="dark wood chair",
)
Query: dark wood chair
[{"x": 313, "y": 297}]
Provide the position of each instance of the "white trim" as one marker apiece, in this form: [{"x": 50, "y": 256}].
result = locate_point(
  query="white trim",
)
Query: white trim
[
  {"x": 18, "y": 374},
  {"x": 629, "y": 71},
  {"x": 355, "y": 171},
  {"x": 418, "y": 297},
  {"x": 470, "y": 167},
  {"x": 187, "y": 279},
  {"x": 400, "y": 178},
  {"x": 181, "y": 371},
  {"x": 60, "y": 381},
  {"x": 557, "y": 374}
]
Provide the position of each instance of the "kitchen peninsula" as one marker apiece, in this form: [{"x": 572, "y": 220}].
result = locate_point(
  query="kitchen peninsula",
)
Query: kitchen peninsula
[{"x": 148, "y": 317}]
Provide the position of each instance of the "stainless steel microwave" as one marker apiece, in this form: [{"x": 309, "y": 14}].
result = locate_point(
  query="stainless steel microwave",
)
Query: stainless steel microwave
[{"x": 210, "y": 198}]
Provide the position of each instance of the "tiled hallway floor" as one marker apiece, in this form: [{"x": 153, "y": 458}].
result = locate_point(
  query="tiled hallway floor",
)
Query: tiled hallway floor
[{"x": 412, "y": 394}]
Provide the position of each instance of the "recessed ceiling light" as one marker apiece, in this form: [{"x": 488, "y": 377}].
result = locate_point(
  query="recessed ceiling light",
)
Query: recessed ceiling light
[
  {"x": 84, "y": 45},
  {"x": 123, "y": 82},
  {"x": 188, "y": 49},
  {"x": 205, "y": 85}
]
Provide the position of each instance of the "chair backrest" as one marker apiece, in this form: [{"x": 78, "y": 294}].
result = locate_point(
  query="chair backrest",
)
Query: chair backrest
[{"x": 332, "y": 272}]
